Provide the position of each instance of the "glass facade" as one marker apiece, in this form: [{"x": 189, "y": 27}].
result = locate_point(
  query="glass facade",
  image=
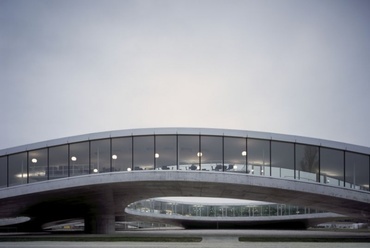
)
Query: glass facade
[
  {"x": 307, "y": 163},
  {"x": 38, "y": 165},
  {"x": 211, "y": 152},
  {"x": 3, "y": 172},
  {"x": 79, "y": 159},
  {"x": 122, "y": 154},
  {"x": 189, "y": 152},
  {"x": 161, "y": 207},
  {"x": 235, "y": 155},
  {"x": 18, "y": 171},
  {"x": 58, "y": 162},
  {"x": 332, "y": 167},
  {"x": 144, "y": 153},
  {"x": 259, "y": 157},
  {"x": 166, "y": 152},
  {"x": 282, "y": 159}
]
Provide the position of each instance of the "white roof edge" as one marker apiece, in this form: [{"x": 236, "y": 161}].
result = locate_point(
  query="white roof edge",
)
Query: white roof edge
[{"x": 188, "y": 131}]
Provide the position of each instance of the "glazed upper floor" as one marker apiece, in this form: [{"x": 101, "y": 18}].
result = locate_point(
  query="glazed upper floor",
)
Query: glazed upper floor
[{"x": 220, "y": 150}]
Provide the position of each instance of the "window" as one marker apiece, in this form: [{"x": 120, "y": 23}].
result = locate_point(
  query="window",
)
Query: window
[
  {"x": 259, "y": 156},
  {"x": 235, "y": 155},
  {"x": 37, "y": 161},
  {"x": 282, "y": 159},
  {"x": 357, "y": 171},
  {"x": 165, "y": 152},
  {"x": 211, "y": 152},
  {"x": 122, "y": 154},
  {"x": 332, "y": 167},
  {"x": 58, "y": 162},
  {"x": 100, "y": 156},
  {"x": 18, "y": 169},
  {"x": 3, "y": 172},
  {"x": 307, "y": 163},
  {"x": 144, "y": 153},
  {"x": 189, "y": 153},
  {"x": 79, "y": 159}
]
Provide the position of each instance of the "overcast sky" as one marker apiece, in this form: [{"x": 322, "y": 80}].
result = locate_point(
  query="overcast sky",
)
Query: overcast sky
[{"x": 292, "y": 67}]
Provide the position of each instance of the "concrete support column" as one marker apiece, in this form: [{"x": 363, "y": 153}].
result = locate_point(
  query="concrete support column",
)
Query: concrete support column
[
  {"x": 100, "y": 215},
  {"x": 100, "y": 223}
]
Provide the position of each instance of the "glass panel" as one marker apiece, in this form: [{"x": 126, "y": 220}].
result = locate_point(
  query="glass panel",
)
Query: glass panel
[
  {"x": 282, "y": 159},
  {"x": 100, "y": 156},
  {"x": 122, "y": 154},
  {"x": 79, "y": 159},
  {"x": 58, "y": 162},
  {"x": 3, "y": 172},
  {"x": 357, "y": 171},
  {"x": 18, "y": 169},
  {"x": 211, "y": 154},
  {"x": 307, "y": 163},
  {"x": 259, "y": 156},
  {"x": 144, "y": 153},
  {"x": 332, "y": 167},
  {"x": 189, "y": 153},
  {"x": 235, "y": 155},
  {"x": 165, "y": 154},
  {"x": 38, "y": 163}
]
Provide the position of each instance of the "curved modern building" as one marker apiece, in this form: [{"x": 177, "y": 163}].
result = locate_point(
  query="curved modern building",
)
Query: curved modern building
[{"x": 129, "y": 165}]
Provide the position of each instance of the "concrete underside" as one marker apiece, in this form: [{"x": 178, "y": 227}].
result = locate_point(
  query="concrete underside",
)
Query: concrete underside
[{"x": 100, "y": 198}]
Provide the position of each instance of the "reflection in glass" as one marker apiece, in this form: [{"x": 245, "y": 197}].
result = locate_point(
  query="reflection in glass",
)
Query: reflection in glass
[
  {"x": 332, "y": 167},
  {"x": 79, "y": 159},
  {"x": 100, "y": 156},
  {"x": 37, "y": 165},
  {"x": 211, "y": 152},
  {"x": 165, "y": 154},
  {"x": 3, "y": 172},
  {"x": 122, "y": 154},
  {"x": 357, "y": 171},
  {"x": 235, "y": 155},
  {"x": 144, "y": 153},
  {"x": 58, "y": 162},
  {"x": 18, "y": 169},
  {"x": 259, "y": 156},
  {"x": 282, "y": 159},
  {"x": 189, "y": 153},
  {"x": 307, "y": 163}
]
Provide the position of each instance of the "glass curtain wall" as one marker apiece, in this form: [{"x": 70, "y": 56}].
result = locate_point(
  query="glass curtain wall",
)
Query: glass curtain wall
[
  {"x": 38, "y": 165},
  {"x": 307, "y": 163},
  {"x": 3, "y": 172},
  {"x": 211, "y": 152},
  {"x": 357, "y": 171},
  {"x": 58, "y": 162},
  {"x": 100, "y": 157},
  {"x": 122, "y": 154},
  {"x": 235, "y": 155},
  {"x": 332, "y": 167},
  {"x": 18, "y": 171},
  {"x": 189, "y": 152},
  {"x": 165, "y": 152},
  {"x": 144, "y": 153},
  {"x": 79, "y": 159},
  {"x": 282, "y": 160},
  {"x": 259, "y": 157}
]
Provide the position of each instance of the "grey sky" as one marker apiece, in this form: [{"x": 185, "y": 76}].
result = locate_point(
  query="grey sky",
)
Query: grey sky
[{"x": 294, "y": 67}]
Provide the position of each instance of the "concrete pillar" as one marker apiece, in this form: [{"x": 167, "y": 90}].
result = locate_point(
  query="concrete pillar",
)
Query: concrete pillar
[
  {"x": 100, "y": 223},
  {"x": 100, "y": 215}
]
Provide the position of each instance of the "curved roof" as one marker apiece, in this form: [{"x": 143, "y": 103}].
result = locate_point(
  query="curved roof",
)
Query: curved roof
[{"x": 189, "y": 131}]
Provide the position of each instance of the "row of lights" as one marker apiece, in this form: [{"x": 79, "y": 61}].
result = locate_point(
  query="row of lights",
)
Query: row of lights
[{"x": 156, "y": 155}]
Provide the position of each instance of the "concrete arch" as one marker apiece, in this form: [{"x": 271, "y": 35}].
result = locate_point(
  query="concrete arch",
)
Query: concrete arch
[{"x": 99, "y": 198}]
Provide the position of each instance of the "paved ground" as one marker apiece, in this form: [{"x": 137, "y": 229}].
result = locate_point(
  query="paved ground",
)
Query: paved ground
[{"x": 210, "y": 239}]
